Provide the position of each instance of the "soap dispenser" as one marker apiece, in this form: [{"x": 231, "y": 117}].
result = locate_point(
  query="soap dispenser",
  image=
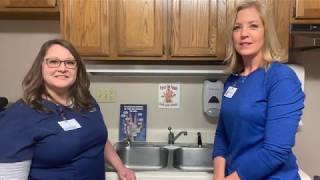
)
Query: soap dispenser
[{"x": 212, "y": 95}]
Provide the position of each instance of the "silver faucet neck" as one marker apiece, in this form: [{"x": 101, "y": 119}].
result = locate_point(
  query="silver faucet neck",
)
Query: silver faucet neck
[
  {"x": 179, "y": 134},
  {"x": 172, "y": 138}
]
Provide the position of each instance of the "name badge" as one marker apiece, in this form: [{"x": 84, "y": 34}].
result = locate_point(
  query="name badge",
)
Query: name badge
[
  {"x": 94, "y": 109},
  {"x": 70, "y": 124},
  {"x": 230, "y": 92}
]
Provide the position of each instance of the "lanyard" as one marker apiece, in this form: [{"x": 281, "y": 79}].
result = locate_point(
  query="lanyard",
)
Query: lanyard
[{"x": 61, "y": 113}]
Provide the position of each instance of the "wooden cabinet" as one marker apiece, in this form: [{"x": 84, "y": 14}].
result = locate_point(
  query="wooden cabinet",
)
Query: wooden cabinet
[
  {"x": 140, "y": 28},
  {"x": 145, "y": 29},
  {"x": 30, "y": 3},
  {"x": 280, "y": 10},
  {"x": 281, "y": 16},
  {"x": 305, "y": 11},
  {"x": 197, "y": 28},
  {"x": 156, "y": 29},
  {"x": 29, "y": 9},
  {"x": 170, "y": 29},
  {"x": 87, "y": 25},
  {"x": 114, "y": 29}
]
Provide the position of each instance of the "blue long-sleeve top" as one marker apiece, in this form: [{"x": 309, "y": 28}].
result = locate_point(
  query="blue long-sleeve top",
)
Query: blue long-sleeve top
[{"x": 257, "y": 125}]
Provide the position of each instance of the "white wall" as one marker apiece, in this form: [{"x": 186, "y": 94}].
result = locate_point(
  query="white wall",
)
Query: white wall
[
  {"x": 21, "y": 40},
  {"x": 307, "y": 141}
]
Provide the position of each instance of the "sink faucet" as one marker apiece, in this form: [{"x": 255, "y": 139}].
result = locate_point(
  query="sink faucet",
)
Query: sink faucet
[{"x": 172, "y": 138}]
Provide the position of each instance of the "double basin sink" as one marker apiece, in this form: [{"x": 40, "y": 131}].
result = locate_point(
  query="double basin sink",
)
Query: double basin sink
[{"x": 156, "y": 156}]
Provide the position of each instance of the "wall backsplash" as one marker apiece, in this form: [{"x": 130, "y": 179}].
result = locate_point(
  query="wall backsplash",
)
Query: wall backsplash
[{"x": 144, "y": 90}]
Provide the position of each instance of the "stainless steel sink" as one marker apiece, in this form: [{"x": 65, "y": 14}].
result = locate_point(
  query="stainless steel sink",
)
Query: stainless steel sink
[
  {"x": 161, "y": 156},
  {"x": 143, "y": 156},
  {"x": 193, "y": 158}
]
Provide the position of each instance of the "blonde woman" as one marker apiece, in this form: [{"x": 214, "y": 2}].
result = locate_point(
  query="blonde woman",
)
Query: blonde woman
[{"x": 262, "y": 103}]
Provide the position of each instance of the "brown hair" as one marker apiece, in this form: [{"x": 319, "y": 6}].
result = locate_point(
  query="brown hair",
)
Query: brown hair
[
  {"x": 272, "y": 50},
  {"x": 34, "y": 86}
]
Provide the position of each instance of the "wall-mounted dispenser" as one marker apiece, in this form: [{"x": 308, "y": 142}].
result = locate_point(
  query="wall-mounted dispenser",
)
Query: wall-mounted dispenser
[{"x": 212, "y": 94}]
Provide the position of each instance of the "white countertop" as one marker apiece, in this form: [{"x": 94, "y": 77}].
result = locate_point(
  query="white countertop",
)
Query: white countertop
[
  {"x": 174, "y": 175},
  {"x": 161, "y": 175}
]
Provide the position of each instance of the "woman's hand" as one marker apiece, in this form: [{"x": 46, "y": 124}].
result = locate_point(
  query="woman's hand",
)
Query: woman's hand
[
  {"x": 233, "y": 176},
  {"x": 214, "y": 178},
  {"x": 219, "y": 166},
  {"x": 126, "y": 174},
  {"x": 112, "y": 157}
]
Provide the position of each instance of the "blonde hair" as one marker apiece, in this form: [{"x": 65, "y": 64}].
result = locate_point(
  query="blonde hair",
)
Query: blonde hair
[{"x": 272, "y": 50}]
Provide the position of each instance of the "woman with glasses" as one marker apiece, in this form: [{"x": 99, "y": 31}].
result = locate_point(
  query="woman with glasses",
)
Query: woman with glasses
[{"x": 56, "y": 131}]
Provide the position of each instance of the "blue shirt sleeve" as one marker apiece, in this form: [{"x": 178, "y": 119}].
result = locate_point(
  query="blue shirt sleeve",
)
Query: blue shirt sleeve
[
  {"x": 17, "y": 133},
  {"x": 284, "y": 110},
  {"x": 220, "y": 141}
]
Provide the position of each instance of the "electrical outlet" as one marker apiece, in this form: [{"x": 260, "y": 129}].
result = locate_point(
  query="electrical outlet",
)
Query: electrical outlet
[
  {"x": 100, "y": 95},
  {"x": 105, "y": 95},
  {"x": 112, "y": 95}
]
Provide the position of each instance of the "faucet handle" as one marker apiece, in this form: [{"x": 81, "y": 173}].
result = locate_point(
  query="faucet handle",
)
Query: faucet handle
[
  {"x": 128, "y": 141},
  {"x": 170, "y": 132},
  {"x": 199, "y": 140},
  {"x": 170, "y": 136}
]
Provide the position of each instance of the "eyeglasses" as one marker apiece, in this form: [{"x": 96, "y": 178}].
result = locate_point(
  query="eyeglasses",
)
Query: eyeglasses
[{"x": 55, "y": 62}]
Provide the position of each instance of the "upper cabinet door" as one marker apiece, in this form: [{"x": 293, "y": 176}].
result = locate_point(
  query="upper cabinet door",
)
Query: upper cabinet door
[
  {"x": 140, "y": 27},
  {"x": 30, "y": 3},
  {"x": 307, "y": 9},
  {"x": 86, "y": 24},
  {"x": 197, "y": 28},
  {"x": 281, "y": 16}
]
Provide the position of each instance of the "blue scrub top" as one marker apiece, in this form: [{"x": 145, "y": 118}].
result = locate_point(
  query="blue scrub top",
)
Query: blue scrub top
[{"x": 57, "y": 154}]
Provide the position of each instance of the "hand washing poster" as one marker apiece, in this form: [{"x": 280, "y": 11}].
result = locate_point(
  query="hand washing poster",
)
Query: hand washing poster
[
  {"x": 133, "y": 122},
  {"x": 169, "y": 96}
]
